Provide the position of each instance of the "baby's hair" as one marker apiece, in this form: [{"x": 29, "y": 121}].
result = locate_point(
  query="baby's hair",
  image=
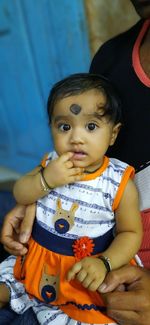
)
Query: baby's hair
[{"x": 79, "y": 83}]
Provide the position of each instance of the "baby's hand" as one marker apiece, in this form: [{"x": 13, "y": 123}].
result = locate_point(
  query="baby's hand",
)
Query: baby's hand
[
  {"x": 90, "y": 271},
  {"x": 61, "y": 171}
]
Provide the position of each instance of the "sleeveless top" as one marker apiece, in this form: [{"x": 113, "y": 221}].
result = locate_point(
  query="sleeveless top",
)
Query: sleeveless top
[{"x": 73, "y": 221}]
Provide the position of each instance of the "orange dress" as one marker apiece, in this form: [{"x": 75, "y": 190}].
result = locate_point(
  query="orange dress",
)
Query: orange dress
[{"x": 72, "y": 222}]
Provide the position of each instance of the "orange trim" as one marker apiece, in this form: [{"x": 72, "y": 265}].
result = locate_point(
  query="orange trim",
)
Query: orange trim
[
  {"x": 133, "y": 262},
  {"x": 129, "y": 172},
  {"x": 88, "y": 177},
  {"x": 44, "y": 160},
  {"x": 136, "y": 56}
]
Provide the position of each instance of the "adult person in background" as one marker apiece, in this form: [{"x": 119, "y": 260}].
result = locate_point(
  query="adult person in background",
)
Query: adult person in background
[{"x": 125, "y": 60}]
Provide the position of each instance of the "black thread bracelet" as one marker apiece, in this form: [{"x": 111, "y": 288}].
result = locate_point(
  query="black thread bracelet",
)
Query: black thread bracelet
[{"x": 106, "y": 262}]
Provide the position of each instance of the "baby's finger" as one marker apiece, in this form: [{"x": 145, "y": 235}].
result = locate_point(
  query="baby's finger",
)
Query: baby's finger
[
  {"x": 69, "y": 164},
  {"x": 81, "y": 275},
  {"x": 94, "y": 285},
  {"x": 74, "y": 179},
  {"x": 73, "y": 271},
  {"x": 65, "y": 157},
  {"x": 87, "y": 281},
  {"x": 76, "y": 171}
]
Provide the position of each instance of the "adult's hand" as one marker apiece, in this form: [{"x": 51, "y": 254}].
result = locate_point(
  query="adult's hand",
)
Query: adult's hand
[
  {"x": 17, "y": 228},
  {"x": 130, "y": 307}
]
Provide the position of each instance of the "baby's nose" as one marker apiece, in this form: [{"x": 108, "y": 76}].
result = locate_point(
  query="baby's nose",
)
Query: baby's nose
[{"x": 77, "y": 137}]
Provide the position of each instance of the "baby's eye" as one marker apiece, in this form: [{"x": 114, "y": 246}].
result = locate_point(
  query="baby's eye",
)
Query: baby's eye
[
  {"x": 64, "y": 127},
  {"x": 91, "y": 126}
]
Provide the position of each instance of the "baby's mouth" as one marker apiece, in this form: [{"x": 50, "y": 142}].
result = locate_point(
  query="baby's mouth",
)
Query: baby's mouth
[{"x": 79, "y": 155}]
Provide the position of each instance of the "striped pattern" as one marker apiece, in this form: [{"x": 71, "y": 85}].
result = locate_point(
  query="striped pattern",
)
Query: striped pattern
[
  {"x": 95, "y": 199},
  {"x": 94, "y": 216}
]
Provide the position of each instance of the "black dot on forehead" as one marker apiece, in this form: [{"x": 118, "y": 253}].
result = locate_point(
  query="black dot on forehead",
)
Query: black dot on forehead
[{"x": 75, "y": 109}]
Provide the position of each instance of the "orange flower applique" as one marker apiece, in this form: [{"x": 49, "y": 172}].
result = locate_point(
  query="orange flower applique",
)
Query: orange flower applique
[{"x": 83, "y": 247}]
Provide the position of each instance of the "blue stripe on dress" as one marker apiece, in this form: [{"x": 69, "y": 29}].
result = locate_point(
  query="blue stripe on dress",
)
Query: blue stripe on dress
[
  {"x": 51, "y": 318},
  {"x": 81, "y": 203}
]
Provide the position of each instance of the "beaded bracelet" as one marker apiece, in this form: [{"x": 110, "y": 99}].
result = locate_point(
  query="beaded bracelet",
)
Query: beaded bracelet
[
  {"x": 45, "y": 186},
  {"x": 106, "y": 262}
]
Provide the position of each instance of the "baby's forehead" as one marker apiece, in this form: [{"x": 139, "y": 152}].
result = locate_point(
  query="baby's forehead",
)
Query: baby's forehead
[
  {"x": 68, "y": 116},
  {"x": 89, "y": 101},
  {"x": 75, "y": 111}
]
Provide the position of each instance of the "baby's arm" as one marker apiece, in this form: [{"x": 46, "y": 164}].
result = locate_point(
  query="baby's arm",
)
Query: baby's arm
[
  {"x": 91, "y": 271},
  {"x": 28, "y": 188},
  {"x": 58, "y": 172},
  {"x": 128, "y": 229},
  {"x": 4, "y": 295}
]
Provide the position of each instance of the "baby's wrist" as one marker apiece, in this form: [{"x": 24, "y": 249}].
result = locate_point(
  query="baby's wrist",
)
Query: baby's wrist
[
  {"x": 106, "y": 262},
  {"x": 46, "y": 187}
]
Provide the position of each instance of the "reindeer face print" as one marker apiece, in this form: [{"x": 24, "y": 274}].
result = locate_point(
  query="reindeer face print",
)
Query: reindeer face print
[
  {"x": 49, "y": 286},
  {"x": 64, "y": 219}
]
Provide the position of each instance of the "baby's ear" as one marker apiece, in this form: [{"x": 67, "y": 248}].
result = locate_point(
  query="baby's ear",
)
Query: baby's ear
[{"x": 115, "y": 132}]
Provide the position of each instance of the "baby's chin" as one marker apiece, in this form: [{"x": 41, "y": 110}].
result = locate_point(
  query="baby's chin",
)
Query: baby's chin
[
  {"x": 77, "y": 163},
  {"x": 88, "y": 169}
]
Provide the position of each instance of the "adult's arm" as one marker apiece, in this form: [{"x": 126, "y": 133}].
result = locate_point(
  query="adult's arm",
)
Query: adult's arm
[
  {"x": 130, "y": 307},
  {"x": 17, "y": 228}
]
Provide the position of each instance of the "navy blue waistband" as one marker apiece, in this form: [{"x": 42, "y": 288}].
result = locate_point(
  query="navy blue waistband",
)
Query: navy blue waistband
[{"x": 63, "y": 246}]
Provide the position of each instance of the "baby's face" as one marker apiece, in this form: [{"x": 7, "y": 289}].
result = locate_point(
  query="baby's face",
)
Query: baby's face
[{"x": 78, "y": 127}]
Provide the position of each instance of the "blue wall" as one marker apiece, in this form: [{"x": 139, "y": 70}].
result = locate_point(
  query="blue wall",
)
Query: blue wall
[{"x": 41, "y": 41}]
